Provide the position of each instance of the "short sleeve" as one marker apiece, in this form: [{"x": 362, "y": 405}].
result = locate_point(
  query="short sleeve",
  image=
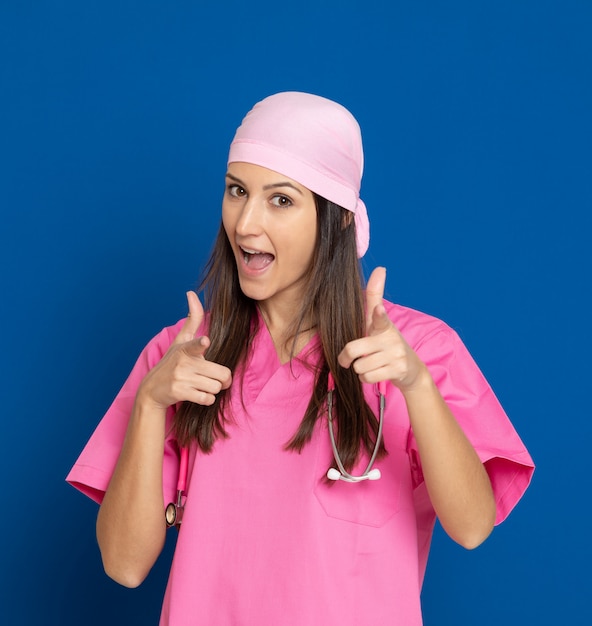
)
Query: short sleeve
[
  {"x": 480, "y": 415},
  {"x": 93, "y": 470}
]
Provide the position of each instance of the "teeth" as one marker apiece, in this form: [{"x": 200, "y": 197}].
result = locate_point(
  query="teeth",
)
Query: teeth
[{"x": 247, "y": 254}]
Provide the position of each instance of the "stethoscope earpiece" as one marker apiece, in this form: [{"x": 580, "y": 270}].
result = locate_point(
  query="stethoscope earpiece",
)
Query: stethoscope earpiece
[
  {"x": 333, "y": 474},
  {"x": 374, "y": 474}
]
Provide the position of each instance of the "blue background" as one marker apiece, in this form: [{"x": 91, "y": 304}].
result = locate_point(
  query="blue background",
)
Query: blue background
[{"x": 115, "y": 119}]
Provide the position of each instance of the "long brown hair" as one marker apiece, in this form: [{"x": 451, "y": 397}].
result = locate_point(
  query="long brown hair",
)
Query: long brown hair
[{"x": 332, "y": 302}]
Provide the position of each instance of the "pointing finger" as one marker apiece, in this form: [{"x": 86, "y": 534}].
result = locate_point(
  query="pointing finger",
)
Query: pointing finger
[
  {"x": 213, "y": 371},
  {"x": 374, "y": 294},
  {"x": 196, "y": 347}
]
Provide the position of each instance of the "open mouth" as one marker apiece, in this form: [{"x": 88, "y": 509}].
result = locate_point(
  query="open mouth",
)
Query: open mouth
[{"x": 256, "y": 260}]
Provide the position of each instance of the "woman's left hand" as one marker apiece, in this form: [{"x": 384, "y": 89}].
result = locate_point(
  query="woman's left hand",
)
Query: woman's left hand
[{"x": 383, "y": 354}]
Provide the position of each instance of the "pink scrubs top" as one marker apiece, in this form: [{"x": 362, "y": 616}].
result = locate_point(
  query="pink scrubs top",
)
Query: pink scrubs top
[{"x": 265, "y": 540}]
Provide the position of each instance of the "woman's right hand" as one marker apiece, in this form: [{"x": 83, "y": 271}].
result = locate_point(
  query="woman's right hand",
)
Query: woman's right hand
[{"x": 184, "y": 373}]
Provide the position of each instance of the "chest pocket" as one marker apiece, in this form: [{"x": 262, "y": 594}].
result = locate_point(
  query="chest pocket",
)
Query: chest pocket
[{"x": 370, "y": 502}]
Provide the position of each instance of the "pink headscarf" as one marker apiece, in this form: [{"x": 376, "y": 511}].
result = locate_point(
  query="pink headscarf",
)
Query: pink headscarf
[{"x": 313, "y": 141}]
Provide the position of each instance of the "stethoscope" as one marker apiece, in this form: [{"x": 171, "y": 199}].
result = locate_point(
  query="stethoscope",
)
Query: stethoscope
[
  {"x": 174, "y": 510},
  {"x": 341, "y": 473}
]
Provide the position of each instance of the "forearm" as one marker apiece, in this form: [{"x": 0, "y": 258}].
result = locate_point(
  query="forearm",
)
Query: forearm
[
  {"x": 458, "y": 485},
  {"x": 130, "y": 525}
]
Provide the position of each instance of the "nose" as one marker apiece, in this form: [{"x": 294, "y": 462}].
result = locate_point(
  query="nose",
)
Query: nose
[{"x": 251, "y": 218}]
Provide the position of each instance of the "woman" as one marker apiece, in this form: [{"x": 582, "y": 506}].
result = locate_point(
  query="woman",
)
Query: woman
[{"x": 288, "y": 359}]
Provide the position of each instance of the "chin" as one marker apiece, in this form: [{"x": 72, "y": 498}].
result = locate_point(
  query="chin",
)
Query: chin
[{"x": 253, "y": 292}]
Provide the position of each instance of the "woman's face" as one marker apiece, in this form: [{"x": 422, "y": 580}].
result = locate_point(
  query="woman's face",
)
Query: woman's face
[{"x": 271, "y": 223}]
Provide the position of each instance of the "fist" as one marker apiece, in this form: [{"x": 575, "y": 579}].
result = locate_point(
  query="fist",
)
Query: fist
[
  {"x": 184, "y": 373},
  {"x": 383, "y": 355}
]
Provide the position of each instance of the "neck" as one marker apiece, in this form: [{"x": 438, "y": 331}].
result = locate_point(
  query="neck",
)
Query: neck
[{"x": 281, "y": 324}]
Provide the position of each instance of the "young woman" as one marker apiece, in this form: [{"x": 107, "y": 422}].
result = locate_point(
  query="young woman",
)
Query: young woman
[{"x": 313, "y": 430}]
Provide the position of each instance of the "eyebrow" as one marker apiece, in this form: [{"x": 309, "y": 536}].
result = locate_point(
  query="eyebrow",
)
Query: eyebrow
[{"x": 266, "y": 187}]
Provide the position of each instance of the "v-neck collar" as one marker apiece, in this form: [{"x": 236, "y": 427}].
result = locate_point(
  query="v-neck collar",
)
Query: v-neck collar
[{"x": 263, "y": 364}]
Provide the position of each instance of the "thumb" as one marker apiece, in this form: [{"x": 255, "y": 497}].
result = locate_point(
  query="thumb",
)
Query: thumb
[
  {"x": 193, "y": 320},
  {"x": 374, "y": 294},
  {"x": 379, "y": 322}
]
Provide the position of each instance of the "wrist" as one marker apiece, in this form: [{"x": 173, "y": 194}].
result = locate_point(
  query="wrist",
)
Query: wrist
[
  {"x": 145, "y": 404},
  {"x": 421, "y": 383}
]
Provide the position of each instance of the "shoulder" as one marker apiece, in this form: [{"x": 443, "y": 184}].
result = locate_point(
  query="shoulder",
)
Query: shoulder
[
  {"x": 439, "y": 346},
  {"x": 161, "y": 342},
  {"x": 418, "y": 328}
]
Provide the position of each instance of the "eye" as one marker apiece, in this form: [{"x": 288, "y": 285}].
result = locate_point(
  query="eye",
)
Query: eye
[
  {"x": 281, "y": 201},
  {"x": 236, "y": 191}
]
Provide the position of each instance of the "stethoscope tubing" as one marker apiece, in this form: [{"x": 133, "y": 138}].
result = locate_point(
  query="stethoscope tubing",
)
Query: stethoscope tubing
[
  {"x": 341, "y": 473},
  {"x": 183, "y": 461}
]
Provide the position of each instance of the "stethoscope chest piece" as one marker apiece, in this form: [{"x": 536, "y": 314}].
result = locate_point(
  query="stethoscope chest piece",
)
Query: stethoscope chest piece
[{"x": 173, "y": 514}]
